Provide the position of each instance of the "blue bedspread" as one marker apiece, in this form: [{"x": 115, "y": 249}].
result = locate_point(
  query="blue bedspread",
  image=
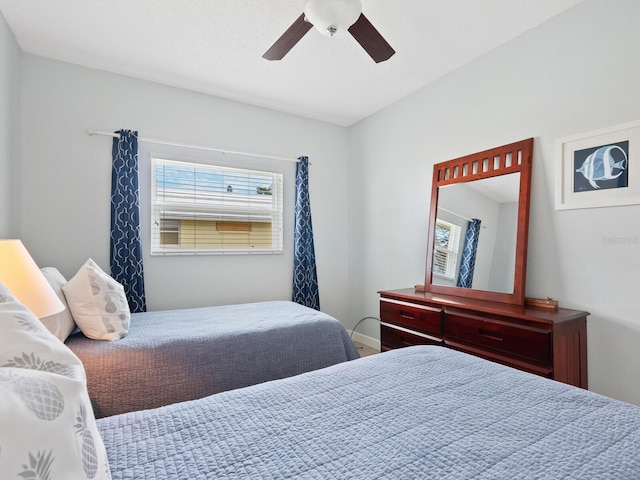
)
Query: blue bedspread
[
  {"x": 176, "y": 355},
  {"x": 415, "y": 413}
]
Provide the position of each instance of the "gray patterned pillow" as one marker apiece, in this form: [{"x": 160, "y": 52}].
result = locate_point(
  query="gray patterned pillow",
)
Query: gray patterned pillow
[
  {"x": 98, "y": 303},
  {"x": 47, "y": 426}
]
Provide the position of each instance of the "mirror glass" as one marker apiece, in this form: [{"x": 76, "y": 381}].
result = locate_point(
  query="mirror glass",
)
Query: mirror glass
[{"x": 476, "y": 234}]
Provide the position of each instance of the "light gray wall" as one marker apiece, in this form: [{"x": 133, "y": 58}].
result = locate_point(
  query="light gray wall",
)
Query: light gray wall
[
  {"x": 66, "y": 181},
  {"x": 576, "y": 73},
  {"x": 9, "y": 127},
  {"x": 503, "y": 261}
]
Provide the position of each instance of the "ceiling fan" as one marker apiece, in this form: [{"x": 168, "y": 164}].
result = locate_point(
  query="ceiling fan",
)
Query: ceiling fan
[{"x": 331, "y": 17}]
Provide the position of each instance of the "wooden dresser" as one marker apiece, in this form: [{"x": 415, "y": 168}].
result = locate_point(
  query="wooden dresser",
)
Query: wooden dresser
[{"x": 551, "y": 343}]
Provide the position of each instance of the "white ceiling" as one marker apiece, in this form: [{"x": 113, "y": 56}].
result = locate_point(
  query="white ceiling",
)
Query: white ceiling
[{"x": 216, "y": 46}]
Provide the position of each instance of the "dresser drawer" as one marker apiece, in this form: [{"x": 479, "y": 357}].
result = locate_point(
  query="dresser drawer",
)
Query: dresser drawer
[
  {"x": 514, "y": 340},
  {"x": 391, "y": 337},
  {"x": 416, "y": 317}
]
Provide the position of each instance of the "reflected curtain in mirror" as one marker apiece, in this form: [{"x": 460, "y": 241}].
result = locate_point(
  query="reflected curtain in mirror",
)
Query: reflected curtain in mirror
[
  {"x": 468, "y": 262},
  {"x": 126, "y": 245}
]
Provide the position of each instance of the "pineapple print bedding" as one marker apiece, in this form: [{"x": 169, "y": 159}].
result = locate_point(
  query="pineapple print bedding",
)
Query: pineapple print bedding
[{"x": 47, "y": 426}]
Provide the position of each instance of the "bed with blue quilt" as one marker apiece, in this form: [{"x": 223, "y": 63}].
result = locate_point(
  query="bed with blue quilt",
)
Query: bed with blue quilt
[
  {"x": 423, "y": 412},
  {"x": 177, "y": 355}
]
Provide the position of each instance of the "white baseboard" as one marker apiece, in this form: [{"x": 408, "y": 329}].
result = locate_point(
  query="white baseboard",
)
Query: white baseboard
[{"x": 366, "y": 340}]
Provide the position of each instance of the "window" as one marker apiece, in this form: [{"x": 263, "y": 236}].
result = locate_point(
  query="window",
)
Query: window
[
  {"x": 169, "y": 232},
  {"x": 445, "y": 252},
  {"x": 198, "y": 208}
]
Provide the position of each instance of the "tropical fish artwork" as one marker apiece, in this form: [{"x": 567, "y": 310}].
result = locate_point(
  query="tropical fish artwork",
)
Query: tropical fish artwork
[{"x": 605, "y": 163}]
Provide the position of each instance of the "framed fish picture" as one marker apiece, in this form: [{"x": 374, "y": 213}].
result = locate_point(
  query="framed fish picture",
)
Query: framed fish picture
[{"x": 599, "y": 168}]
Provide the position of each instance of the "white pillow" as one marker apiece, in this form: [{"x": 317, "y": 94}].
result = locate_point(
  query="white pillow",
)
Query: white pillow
[
  {"x": 98, "y": 303},
  {"x": 60, "y": 324},
  {"x": 47, "y": 426}
]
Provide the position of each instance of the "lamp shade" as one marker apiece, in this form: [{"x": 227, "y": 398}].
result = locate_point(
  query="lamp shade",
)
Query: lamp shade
[
  {"x": 20, "y": 274},
  {"x": 332, "y": 16}
]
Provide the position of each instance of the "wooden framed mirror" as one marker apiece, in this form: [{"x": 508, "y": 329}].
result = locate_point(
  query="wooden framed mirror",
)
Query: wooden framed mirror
[{"x": 480, "y": 203}]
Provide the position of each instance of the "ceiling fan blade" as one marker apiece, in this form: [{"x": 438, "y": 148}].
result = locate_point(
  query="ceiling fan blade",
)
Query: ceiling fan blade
[
  {"x": 371, "y": 40},
  {"x": 288, "y": 39}
]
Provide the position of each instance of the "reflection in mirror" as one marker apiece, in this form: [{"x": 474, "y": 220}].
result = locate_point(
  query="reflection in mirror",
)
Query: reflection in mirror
[
  {"x": 476, "y": 233},
  {"x": 499, "y": 275}
]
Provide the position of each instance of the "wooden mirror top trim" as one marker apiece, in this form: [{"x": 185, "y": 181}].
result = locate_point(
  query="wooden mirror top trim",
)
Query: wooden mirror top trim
[{"x": 512, "y": 158}]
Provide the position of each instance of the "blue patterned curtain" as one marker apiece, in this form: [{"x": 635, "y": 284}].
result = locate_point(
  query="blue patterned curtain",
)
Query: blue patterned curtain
[
  {"x": 468, "y": 262},
  {"x": 126, "y": 246},
  {"x": 305, "y": 278}
]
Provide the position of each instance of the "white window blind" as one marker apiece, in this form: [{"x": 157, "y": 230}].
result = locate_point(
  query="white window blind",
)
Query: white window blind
[
  {"x": 447, "y": 245},
  {"x": 198, "y": 208}
]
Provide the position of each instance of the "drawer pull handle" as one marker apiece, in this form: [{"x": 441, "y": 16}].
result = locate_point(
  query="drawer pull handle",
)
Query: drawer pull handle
[
  {"x": 489, "y": 334},
  {"x": 408, "y": 316}
]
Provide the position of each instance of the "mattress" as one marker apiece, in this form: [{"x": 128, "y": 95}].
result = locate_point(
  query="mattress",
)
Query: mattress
[
  {"x": 177, "y": 355},
  {"x": 418, "y": 412}
]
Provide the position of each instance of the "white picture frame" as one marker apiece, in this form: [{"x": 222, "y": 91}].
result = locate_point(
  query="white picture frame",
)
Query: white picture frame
[{"x": 600, "y": 168}]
